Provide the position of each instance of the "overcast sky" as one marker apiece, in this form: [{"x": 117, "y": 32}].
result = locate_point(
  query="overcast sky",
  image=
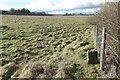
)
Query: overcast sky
[{"x": 53, "y": 6}]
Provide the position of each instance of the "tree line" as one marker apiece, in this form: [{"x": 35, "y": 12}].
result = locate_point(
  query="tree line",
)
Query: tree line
[{"x": 23, "y": 11}]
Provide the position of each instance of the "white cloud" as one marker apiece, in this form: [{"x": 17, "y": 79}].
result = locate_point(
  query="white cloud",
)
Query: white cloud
[
  {"x": 84, "y": 11},
  {"x": 14, "y": 1},
  {"x": 55, "y": 6},
  {"x": 51, "y": 5},
  {"x": 3, "y": 7},
  {"x": 40, "y": 5}
]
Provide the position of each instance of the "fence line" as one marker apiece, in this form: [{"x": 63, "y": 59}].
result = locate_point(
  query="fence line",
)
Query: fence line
[
  {"x": 104, "y": 47},
  {"x": 113, "y": 52},
  {"x": 110, "y": 36}
]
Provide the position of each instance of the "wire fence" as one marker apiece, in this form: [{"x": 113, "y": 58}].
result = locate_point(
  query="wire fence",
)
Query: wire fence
[{"x": 109, "y": 57}]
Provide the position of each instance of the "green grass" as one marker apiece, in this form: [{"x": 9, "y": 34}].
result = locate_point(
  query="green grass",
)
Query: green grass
[{"x": 53, "y": 40}]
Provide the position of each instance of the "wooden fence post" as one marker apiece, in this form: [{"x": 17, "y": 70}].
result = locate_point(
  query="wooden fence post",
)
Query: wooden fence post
[
  {"x": 102, "y": 53},
  {"x": 95, "y": 34}
]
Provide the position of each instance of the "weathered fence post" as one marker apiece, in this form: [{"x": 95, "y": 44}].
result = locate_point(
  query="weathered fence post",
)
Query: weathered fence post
[
  {"x": 95, "y": 34},
  {"x": 102, "y": 53}
]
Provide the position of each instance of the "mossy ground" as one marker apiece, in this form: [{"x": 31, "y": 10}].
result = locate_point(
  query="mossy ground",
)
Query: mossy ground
[{"x": 56, "y": 41}]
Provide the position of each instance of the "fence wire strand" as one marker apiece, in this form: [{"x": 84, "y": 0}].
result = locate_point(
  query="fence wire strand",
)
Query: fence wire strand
[
  {"x": 110, "y": 52},
  {"x": 113, "y": 52},
  {"x": 110, "y": 36}
]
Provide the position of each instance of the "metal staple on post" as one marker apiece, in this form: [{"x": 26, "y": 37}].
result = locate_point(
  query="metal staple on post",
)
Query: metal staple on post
[{"x": 102, "y": 54}]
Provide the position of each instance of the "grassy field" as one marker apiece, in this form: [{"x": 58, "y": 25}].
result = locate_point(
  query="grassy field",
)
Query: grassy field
[{"x": 59, "y": 43}]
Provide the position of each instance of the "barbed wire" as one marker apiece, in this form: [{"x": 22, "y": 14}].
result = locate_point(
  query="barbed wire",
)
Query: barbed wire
[
  {"x": 116, "y": 57},
  {"x": 110, "y": 36}
]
